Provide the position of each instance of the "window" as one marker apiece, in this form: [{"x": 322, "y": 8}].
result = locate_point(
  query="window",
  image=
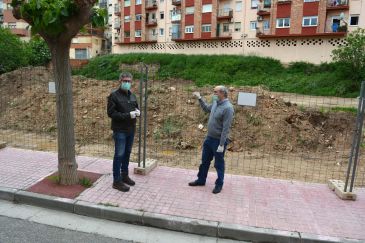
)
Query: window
[
  {"x": 239, "y": 6},
  {"x": 161, "y": 1},
  {"x": 127, "y": 3},
  {"x": 309, "y": 1},
  {"x": 266, "y": 25},
  {"x": 189, "y": 10},
  {"x": 127, "y": 18},
  {"x": 154, "y": 32},
  {"x": 189, "y": 29},
  {"x": 206, "y": 28},
  {"x": 226, "y": 27},
  {"x": 283, "y": 23},
  {"x": 138, "y": 33},
  {"x": 162, "y": 32},
  {"x": 138, "y": 17},
  {"x": 354, "y": 20},
  {"x": 253, "y": 25},
  {"x": 127, "y": 34},
  {"x": 81, "y": 54},
  {"x": 11, "y": 25},
  {"x": 162, "y": 15},
  {"x": 254, "y": 3},
  {"x": 138, "y": 2},
  {"x": 207, "y": 8},
  {"x": 237, "y": 26},
  {"x": 310, "y": 21}
]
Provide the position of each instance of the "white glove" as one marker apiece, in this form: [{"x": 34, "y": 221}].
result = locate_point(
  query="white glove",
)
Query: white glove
[
  {"x": 133, "y": 114},
  {"x": 197, "y": 95},
  {"x": 138, "y": 113},
  {"x": 220, "y": 149}
]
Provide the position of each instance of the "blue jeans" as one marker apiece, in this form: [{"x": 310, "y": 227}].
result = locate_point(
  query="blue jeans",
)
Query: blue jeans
[
  {"x": 123, "y": 148},
  {"x": 210, "y": 147}
]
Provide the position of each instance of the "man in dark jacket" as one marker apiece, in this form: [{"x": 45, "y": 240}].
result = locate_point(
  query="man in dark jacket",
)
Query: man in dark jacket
[{"x": 123, "y": 110}]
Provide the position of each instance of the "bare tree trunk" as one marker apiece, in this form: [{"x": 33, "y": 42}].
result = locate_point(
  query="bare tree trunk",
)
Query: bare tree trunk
[{"x": 67, "y": 166}]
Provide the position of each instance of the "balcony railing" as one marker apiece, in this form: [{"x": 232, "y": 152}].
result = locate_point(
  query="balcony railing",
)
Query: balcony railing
[
  {"x": 176, "y": 17},
  {"x": 176, "y": 35},
  {"x": 222, "y": 33},
  {"x": 151, "y": 22},
  {"x": 117, "y": 25},
  {"x": 151, "y": 4},
  {"x": 338, "y": 4},
  {"x": 225, "y": 13},
  {"x": 116, "y": 9},
  {"x": 176, "y": 2}
]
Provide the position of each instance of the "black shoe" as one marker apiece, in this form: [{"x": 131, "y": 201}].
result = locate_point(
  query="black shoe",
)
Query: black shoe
[
  {"x": 127, "y": 180},
  {"x": 120, "y": 186},
  {"x": 217, "y": 189},
  {"x": 196, "y": 183}
]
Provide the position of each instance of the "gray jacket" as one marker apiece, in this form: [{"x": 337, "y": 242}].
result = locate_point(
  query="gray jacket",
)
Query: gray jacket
[{"x": 220, "y": 118}]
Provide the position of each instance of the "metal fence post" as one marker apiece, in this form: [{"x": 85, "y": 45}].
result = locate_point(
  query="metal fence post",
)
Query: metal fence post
[
  {"x": 354, "y": 155},
  {"x": 145, "y": 116}
]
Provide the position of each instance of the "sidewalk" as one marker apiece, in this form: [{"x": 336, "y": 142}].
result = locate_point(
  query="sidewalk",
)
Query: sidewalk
[{"x": 247, "y": 201}]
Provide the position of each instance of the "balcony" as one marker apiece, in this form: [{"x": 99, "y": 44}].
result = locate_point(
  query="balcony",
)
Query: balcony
[
  {"x": 151, "y": 5},
  {"x": 225, "y": 14},
  {"x": 117, "y": 25},
  {"x": 337, "y": 5},
  {"x": 176, "y": 2},
  {"x": 117, "y": 9},
  {"x": 103, "y": 4},
  {"x": 176, "y": 36},
  {"x": 176, "y": 18},
  {"x": 151, "y": 22},
  {"x": 284, "y": 1},
  {"x": 117, "y": 40},
  {"x": 227, "y": 34}
]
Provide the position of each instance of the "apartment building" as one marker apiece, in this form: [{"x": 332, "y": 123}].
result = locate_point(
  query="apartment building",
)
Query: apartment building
[
  {"x": 289, "y": 30},
  {"x": 7, "y": 20}
]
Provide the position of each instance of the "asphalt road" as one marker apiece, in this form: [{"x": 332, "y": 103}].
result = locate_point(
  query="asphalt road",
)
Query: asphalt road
[{"x": 18, "y": 230}]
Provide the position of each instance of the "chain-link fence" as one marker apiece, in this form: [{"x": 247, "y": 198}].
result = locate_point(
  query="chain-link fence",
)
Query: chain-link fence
[{"x": 285, "y": 136}]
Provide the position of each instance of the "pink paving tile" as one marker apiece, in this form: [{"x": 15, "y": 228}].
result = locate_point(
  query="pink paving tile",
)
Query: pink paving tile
[{"x": 279, "y": 204}]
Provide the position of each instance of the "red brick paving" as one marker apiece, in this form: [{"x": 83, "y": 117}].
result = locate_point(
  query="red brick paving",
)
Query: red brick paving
[
  {"x": 269, "y": 203},
  {"x": 49, "y": 186}
]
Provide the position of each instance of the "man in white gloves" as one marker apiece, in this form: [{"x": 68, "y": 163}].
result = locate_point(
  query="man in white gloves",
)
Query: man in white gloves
[
  {"x": 123, "y": 110},
  {"x": 220, "y": 119}
]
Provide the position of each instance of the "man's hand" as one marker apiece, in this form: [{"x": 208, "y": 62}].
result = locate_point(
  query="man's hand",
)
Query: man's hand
[
  {"x": 133, "y": 114},
  {"x": 220, "y": 149},
  {"x": 197, "y": 95},
  {"x": 138, "y": 113}
]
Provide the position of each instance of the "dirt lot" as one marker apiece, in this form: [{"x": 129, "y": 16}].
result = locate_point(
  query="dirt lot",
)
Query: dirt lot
[{"x": 274, "y": 139}]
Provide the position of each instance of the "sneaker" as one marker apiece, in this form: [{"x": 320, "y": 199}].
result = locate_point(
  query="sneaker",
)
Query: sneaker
[
  {"x": 127, "y": 180},
  {"x": 196, "y": 183},
  {"x": 120, "y": 186},
  {"x": 217, "y": 189}
]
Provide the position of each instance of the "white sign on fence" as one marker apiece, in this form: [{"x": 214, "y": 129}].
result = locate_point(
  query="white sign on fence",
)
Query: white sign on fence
[
  {"x": 52, "y": 87},
  {"x": 248, "y": 99}
]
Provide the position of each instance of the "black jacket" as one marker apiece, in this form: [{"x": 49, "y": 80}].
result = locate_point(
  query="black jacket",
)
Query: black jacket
[{"x": 120, "y": 104}]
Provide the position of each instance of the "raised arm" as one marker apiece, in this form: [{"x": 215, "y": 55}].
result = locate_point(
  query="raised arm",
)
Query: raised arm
[{"x": 206, "y": 107}]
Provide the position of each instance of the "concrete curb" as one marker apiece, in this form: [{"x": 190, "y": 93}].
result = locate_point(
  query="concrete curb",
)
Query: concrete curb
[{"x": 175, "y": 223}]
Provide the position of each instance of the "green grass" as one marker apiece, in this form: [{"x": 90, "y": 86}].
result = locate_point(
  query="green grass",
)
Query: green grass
[
  {"x": 86, "y": 182},
  {"x": 327, "y": 79}
]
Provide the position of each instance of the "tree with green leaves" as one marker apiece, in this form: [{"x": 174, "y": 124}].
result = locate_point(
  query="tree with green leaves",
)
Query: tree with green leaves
[
  {"x": 39, "y": 54},
  {"x": 351, "y": 56},
  {"x": 57, "y": 22},
  {"x": 13, "y": 53}
]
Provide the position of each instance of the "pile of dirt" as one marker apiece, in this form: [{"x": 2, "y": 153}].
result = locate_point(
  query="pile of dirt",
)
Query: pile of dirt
[{"x": 175, "y": 119}]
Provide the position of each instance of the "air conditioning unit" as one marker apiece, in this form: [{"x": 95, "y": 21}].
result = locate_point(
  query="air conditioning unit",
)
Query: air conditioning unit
[{"x": 259, "y": 18}]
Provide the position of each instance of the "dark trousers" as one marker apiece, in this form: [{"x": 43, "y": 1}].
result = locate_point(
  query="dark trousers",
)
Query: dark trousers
[
  {"x": 210, "y": 147},
  {"x": 123, "y": 148}
]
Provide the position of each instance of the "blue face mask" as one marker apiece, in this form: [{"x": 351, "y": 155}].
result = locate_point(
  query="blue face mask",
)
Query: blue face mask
[
  {"x": 125, "y": 85},
  {"x": 214, "y": 98}
]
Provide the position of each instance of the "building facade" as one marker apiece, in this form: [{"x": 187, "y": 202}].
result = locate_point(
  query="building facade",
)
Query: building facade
[
  {"x": 7, "y": 20},
  {"x": 288, "y": 30}
]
